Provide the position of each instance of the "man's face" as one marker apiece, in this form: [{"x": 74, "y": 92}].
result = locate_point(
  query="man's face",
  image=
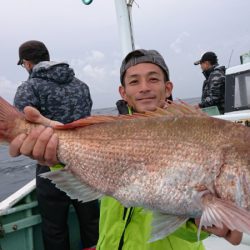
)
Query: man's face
[
  {"x": 27, "y": 65},
  {"x": 205, "y": 65},
  {"x": 145, "y": 88}
]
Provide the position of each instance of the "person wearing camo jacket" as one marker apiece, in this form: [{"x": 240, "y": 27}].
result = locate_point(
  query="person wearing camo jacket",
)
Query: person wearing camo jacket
[
  {"x": 53, "y": 89},
  {"x": 213, "y": 90}
]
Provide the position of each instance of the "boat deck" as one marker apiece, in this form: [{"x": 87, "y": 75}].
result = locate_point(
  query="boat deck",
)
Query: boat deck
[{"x": 215, "y": 243}]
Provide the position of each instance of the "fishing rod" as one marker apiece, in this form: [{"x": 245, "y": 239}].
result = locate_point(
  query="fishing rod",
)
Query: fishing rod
[{"x": 230, "y": 58}]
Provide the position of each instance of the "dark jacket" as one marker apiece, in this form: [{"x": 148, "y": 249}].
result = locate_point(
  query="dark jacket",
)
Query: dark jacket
[
  {"x": 122, "y": 107},
  {"x": 213, "y": 90},
  {"x": 53, "y": 89}
]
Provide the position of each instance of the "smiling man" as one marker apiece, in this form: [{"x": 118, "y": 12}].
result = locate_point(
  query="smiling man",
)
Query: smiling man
[
  {"x": 145, "y": 86},
  {"x": 145, "y": 83}
]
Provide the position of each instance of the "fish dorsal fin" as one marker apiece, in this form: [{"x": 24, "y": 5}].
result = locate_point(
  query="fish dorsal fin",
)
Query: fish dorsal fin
[
  {"x": 177, "y": 109},
  {"x": 181, "y": 108},
  {"x": 97, "y": 119},
  {"x": 172, "y": 109}
]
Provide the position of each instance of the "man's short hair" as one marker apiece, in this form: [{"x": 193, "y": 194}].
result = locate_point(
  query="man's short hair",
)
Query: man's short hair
[
  {"x": 143, "y": 56},
  {"x": 208, "y": 56},
  {"x": 34, "y": 51}
]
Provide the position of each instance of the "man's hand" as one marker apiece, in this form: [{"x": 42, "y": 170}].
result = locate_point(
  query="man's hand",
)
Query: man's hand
[
  {"x": 234, "y": 237},
  {"x": 41, "y": 143}
]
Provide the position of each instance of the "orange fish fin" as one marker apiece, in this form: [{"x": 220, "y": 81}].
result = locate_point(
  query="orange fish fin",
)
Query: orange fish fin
[
  {"x": 218, "y": 212},
  {"x": 173, "y": 109},
  {"x": 182, "y": 108},
  {"x": 91, "y": 120},
  {"x": 176, "y": 109},
  {"x": 8, "y": 114}
]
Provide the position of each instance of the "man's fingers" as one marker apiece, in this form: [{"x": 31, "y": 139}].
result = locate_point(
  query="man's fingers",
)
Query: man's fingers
[
  {"x": 50, "y": 152},
  {"x": 30, "y": 141},
  {"x": 221, "y": 232},
  {"x": 15, "y": 145},
  {"x": 234, "y": 237},
  {"x": 39, "y": 147}
]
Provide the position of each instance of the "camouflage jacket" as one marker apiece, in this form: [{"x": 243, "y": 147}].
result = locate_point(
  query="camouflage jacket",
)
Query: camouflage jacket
[
  {"x": 213, "y": 90},
  {"x": 53, "y": 89}
]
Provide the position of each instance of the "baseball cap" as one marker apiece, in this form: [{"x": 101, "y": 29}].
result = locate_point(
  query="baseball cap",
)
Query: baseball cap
[
  {"x": 143, "y": 56},
  {"x": 208, "y": 56},
  {"x": 33, "y": 50}
]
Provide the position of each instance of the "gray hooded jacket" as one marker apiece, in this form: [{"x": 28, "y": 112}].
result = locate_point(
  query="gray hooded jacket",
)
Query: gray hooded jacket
[{"x": 53, "y": 89}]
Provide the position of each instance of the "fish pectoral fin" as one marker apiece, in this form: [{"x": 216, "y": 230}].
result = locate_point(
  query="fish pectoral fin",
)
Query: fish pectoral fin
[
  {"x": 218, "y": 212},
  {"x": 73, "y": 187},
  {"x": 164, "y": 224}
]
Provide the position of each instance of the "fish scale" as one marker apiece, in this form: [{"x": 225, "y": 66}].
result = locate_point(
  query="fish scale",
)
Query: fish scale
[{"x": 142, "y": 157}]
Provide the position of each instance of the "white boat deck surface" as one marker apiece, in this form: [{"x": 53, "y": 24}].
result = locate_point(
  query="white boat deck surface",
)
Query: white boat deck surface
[{"x": 215, "y": 243}]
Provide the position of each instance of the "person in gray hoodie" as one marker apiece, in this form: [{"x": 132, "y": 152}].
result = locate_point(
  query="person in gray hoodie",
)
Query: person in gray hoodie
[
  {"x": 53, "y": 89},
  {"x": 213, "y": 89}
]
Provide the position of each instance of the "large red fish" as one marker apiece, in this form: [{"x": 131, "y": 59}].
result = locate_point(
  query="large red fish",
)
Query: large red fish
[{"x": 177, "y": 162}]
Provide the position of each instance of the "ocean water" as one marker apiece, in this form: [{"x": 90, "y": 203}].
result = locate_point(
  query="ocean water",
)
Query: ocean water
[
  {"x": 14, "y": 172},
  {"x": 18, "y": 171}
]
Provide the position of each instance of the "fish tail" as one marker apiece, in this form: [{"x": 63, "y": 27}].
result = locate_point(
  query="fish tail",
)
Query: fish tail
[
  {"x": 8, "y": 117},
  {"x": 218, "y": 212}
]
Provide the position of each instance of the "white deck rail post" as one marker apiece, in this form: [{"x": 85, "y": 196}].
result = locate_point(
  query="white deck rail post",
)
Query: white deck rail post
[{"x": 124, "y": 20}]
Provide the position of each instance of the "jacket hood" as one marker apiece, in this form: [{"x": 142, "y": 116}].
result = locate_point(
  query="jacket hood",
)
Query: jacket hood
[
  {"x": 222, "y": 69},
  {"x": 53, "y": 71}
]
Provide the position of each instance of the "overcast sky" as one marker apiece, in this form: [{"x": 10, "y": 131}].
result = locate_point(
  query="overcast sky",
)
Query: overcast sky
[{"x": 87, "y": 38}]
